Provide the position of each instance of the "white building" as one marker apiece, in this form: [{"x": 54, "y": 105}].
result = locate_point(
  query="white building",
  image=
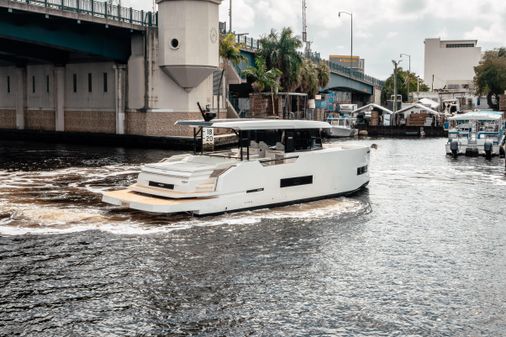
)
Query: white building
[{"x": 450, "y": 64}]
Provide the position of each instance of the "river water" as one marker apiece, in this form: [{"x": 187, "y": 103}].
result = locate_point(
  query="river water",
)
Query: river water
[{"x": 421, "y": 252}]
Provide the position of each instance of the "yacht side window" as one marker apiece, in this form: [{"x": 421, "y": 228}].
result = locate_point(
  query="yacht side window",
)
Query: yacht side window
[{"x": 361, "y": 170}]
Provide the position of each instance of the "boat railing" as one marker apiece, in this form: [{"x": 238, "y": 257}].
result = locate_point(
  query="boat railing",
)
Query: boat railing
[{"x": 279, "y": 160}]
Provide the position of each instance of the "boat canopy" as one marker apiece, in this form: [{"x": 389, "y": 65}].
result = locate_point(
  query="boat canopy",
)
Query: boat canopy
[
  {"x": 479, "y": 115},
  {"x": 243, "y": 124}
]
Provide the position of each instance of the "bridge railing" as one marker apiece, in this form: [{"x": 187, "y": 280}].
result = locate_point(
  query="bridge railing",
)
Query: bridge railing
[
  {"x": 255, "y": 44},
  {"x": 99, "y": 9}
]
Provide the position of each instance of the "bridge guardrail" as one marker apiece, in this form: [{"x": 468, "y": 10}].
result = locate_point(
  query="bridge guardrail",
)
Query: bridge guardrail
[
  {"x": 99, "y": 9},
  {"x": 254, "y": 44}
]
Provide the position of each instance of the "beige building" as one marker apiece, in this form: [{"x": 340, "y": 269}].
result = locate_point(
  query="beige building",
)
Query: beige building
[
  {"x": 449, "y": 64},
  {"x": 346, "y": 60}
]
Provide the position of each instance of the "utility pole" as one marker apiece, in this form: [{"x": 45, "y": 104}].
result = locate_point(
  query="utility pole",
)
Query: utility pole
[
  {"x": 304, "y": 29},
  {"x": 396, "y": 63},
  {"x": 409, "y": 71},
  {"x": 230, "y": 17}
]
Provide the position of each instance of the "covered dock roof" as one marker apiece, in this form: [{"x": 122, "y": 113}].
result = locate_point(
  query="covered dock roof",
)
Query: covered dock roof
[
  {"x": 373, "y": 106},
  {"x": 418, "y": 106}
]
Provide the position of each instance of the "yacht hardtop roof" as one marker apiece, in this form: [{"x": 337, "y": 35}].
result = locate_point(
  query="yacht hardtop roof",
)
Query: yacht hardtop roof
[
  {"x": 479, "y": 115},
  {"x": 240, "y": 124}
]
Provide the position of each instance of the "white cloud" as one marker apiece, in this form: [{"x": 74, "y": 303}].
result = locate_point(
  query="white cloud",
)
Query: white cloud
[{"x": 382, "y": 28}]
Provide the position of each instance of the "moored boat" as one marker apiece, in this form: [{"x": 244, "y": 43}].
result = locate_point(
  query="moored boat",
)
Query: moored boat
[
  {"x": 277, "y": 162},
  {"x": 475, "y": 133},
  {"x": 340, "y": 127}
]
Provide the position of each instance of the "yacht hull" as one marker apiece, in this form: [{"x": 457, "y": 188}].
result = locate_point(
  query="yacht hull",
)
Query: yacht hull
[
  {"x": 130, "y": 200},
  {"x": 254, "y": 184}
]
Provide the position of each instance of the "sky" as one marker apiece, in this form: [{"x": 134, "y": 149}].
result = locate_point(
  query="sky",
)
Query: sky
[{"x": 382, "y": 29}]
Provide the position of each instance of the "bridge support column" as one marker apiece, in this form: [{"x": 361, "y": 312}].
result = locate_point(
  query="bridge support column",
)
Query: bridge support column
[
  {"x": 20, "y": 97},
  {"x": 120, "y": 78},
  {"x": 59, "y": 98}
]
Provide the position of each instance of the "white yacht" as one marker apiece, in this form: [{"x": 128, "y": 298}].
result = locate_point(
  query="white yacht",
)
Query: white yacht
[
  {"x": 475, "y": 133},
  {"x": 277, "y": 162}
]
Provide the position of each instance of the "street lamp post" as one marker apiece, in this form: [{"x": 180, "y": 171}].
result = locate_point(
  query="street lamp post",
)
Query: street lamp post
[
  {"x": 351, "y": 37},
  {"x": 409, "y": 70},
  {"x": 396, "y": 64}
]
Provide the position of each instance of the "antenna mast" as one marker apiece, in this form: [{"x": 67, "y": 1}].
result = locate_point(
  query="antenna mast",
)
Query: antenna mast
[{"x": 304, "y": 28}]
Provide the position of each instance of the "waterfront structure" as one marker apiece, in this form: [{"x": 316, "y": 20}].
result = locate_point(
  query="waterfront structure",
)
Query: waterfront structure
[
  {"x": 287, "y": 154},
  {"x": 449, "y": 64},
  {"x": 417, "y": 115},
  {"x": 94, "y": 67},
  {"x": 106, "y": 69}
]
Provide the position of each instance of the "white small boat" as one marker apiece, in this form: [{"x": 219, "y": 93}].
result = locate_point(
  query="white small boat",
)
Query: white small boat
[
  {"x": 340, "y": 127},
  {"x": 277, "y": 162},
  {"x": 475, "y": 133}
]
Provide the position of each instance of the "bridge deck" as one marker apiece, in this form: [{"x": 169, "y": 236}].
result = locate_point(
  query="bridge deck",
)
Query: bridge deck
[{"x": 87, "y": 10}]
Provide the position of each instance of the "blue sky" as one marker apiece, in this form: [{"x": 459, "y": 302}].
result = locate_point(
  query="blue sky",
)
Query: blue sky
[{"x": 383, "y": 29}]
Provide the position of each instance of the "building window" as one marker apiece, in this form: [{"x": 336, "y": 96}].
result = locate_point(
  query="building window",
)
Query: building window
[
  {"x": 460, "y": 45},
  {"x": 90, "y": 87},
  {"x": 105, "y": 82},
  {"x": 74, "y": 82},
  {"x": 33, "y": 84},
  {"x": 47, "y": 83},
  {"x": 8, "y": 84}
]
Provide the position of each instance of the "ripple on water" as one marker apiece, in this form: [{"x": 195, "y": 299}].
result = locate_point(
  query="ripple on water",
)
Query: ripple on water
[
  {"x": 422, "y": 252},
  {"x": 59, "y": 220}
]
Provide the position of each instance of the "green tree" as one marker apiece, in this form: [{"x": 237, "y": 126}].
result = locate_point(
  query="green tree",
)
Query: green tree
[
  {"x": 490, "y": 76},
  {"x": 309, "y": 79},
  {"x": 323, "y": 74},
  {"x": 263, "y": 79},
  {"x": 280, "y": 51},
  {"x": 230, "y": 51},
  {"x": 405, "y": 79}
]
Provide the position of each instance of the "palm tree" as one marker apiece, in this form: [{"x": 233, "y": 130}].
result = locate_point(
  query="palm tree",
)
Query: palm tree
[
  {"x": 323, "y": 74},
  {"x": 280, "y": 51},
  {"x": 230, "y": 51},
  {"x": 309, "y": 81},
  {"x": 263, "y": 78}
]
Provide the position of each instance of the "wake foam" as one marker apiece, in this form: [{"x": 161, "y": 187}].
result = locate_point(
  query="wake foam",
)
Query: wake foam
[{"x": 54, "y": 220}]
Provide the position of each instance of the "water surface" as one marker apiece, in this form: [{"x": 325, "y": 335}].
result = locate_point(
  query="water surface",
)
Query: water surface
[{"x": 421, "y": 252}]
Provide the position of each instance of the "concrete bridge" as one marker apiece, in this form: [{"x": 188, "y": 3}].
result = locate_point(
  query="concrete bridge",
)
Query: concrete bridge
[
  {"x": 60, "y": 27},
  {"x": 86, "y": 66},
  {"x": 90, "y": 66}
]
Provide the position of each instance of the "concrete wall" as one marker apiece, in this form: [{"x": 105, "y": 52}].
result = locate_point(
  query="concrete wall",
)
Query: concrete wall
[
  {"x": 453, "y": 65},
  {"x": 136, "y": 76},
  {"x": 7, "y": 118},
  {"x": 84, "y": 110},
  {"x": 82, "y": 99},
  {"x": 40, "y": 87},
  {"x": 7, "y": 99}
]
